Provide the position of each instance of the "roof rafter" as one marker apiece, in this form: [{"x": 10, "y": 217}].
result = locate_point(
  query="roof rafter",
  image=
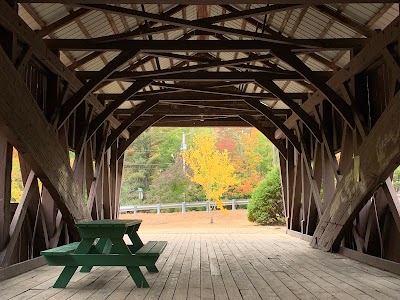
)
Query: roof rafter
[
  {"x": 198, "y": 24},
  {"x": 268, "y": 134},
  {"x": 135, "y": 132},
  {"x": 356, "y": 65},
  {"x": 206, "y": 76},
  {"x": 311, "y": 124},
  {"x": 177, "y": 70},
  {"x": 104, "y": 73},
  {"x": 187, "y": 2},
  {"x": 95, "y": 54},
  {"x": 142, "y": 108},
  {"x": 254, "y": 22},
  {"x": 12, "y": 22},
  {"x": 129, "y": 92},
  {"x": 297, "y": 45},
  {"x": 269, "y": 114},
  {"x": 62, "y": 22},
  {"x": 360, "y": 28},
  {"x": 340, "y": 105}
]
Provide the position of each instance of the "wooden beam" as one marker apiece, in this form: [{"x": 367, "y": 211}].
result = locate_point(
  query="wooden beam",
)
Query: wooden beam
[
  {"x": 182, "y": 110},
  {"x": 361, "y": 61},
  {"x": 311, "y": 124},
  {"x": 84, "y": 60},
  {"x": 12, "y": 22},
  {"x": 95, "y": 54},
  {"x": 393, "y": 201},
  {"x": 198, "y": 96},
  {"x": 377, "y": 262},
  {"x": 392, "y": 62},
  {"x": 205, "y": 76},
  {"x": 5, "y": 189},
  {"x": 269, "y": 114},
  {"x": 204, "y": 66},
  {"x": 312, "y": 2},
  {"x": 379, "y": 155},
  {"x": 297, "y": 45},
  {"x": 73, "y": 102},
  {"x": 62, "y": 22},
  {"x": 23, "y": 59},
  {"x": 198, "y": 121},
  {"x": 267, "y": 133},
  {"x": 192, "y": 94},
  {"x": 143, "y": 107},
  {"x": 97, "y": 177},
  {"x": 18, "y": 219},
  {"x": 133, "y": 89},
  {"x": 134, "y": 33},
  {"x": 257, "y": 24},
  {"x": 25, "y": 126},
  {"x": 21, "y": 268},
  {"x": 197, "y": 24},
  {"x": 80, "y": 146},
  {"x": 243, "y": 14},
  {"x": 338, "y": 103},
  {"x": 360, "y": 28},
  {"x": 134, "y": 134}
]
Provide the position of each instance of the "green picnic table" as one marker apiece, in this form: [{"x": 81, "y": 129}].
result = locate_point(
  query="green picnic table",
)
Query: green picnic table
[{"x": 102, "y": 244}]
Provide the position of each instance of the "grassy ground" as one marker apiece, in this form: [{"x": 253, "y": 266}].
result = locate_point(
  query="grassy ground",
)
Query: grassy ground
[{"x": 199, "y": 222}]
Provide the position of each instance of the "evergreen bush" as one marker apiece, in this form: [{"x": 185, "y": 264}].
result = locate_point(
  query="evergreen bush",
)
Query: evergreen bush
[{"x": 265, "y": 206}]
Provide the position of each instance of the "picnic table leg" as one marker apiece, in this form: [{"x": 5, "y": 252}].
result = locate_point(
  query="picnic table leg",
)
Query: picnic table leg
[
  {"x": 135, "y": 239},
  {"x": 103, "y": 246},
  {"x": 68, "y": 272},
  {"x": 138, "y": 277},
  {"x": 64, "y": 277},
  {"x": 152, "y": 269},
  {"x": 120, "y": 247}
]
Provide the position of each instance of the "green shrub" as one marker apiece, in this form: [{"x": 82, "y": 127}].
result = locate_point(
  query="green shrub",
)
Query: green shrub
[{"x": 265, "y": 206}]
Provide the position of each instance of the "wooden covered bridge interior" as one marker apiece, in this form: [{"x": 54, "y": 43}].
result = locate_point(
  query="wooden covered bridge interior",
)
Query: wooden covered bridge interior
[{"x": 320, "y": 79}]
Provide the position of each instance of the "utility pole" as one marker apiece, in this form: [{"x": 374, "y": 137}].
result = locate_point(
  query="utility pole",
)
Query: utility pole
[{"x": 183, "y": 148}]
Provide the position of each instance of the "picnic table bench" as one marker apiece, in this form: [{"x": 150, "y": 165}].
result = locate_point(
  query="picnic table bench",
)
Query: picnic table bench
[{"x": 102, "y": 244}]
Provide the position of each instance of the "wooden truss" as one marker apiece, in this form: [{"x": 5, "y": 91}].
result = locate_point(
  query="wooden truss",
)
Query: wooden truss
[{"x": 71, "y": 127}]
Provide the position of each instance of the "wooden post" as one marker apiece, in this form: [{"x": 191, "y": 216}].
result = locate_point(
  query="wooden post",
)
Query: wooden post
[
  {"x": 158, "y": 208},
  {"x": 5, "y": 189}
]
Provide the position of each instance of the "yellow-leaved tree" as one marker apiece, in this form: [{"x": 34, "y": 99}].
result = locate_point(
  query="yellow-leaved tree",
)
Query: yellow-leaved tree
[{"x": 211, "y": 168}]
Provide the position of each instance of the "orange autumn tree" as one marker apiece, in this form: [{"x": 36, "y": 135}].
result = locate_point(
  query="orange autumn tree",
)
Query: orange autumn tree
[{"x": 211, "y": 168}]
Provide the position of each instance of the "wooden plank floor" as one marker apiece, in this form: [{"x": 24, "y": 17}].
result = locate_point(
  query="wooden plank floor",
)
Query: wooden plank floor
[{"x": 221, "y": 266}]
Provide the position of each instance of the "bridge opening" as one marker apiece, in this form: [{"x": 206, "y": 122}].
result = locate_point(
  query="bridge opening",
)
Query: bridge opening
[{"x": 317, "y": 78}]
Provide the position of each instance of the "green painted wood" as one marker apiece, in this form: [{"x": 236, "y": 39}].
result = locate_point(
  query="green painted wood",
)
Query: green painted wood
[
  {"x": 110, "y": 250},
  {"x": 135, "y": 239},
  {"x": 138, "y": 277},
  {"x": 84, "y": 246},
  {"x": 101, "y": 260},
  {"x": 98, "y": 232},
  {"x": 107, "y": 228},
  {"x": 157, "y": 249},
  {"x": 60, "y": 251},
  {"x": 65, "y": 277},
  {"x": 146, "y": 248},
  {"x": 108, "y": 223},
  {"x": 152, "y": 269},
  {"x": 135, "y": 272},
  {"x": 103, "y": 246},
  {"x": 152, "y": 248}
]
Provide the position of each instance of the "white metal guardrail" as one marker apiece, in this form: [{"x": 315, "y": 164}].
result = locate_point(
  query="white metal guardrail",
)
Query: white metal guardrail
[{"x": 182, "y": 206}]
